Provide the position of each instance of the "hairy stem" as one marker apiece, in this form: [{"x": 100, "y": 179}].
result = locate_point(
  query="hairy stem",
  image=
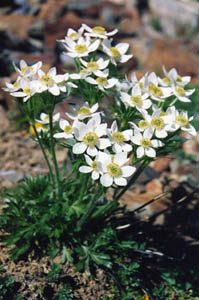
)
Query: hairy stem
[
  {"x": 44, "y": 154},
  {"x": 54, "y": 159}
]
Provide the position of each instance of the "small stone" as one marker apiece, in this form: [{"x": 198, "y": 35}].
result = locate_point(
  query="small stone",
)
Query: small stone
[{"x": 12, "y": 175}]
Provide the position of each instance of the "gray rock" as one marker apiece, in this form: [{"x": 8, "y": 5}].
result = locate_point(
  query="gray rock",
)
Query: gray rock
[
  {"x": 36, "y": 30},
  {"x": 177, "y": 17},
  {"x": 12, "y": 175}
]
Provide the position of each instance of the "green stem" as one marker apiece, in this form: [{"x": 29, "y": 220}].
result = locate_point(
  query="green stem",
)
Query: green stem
[
  {"x": 44, "y": 153},
  {"x": 135, "y": 176},
  {"x": 110, "y": 204},
  {"x": 54, "y": 159},
  {"x": 89, "y": 209}
]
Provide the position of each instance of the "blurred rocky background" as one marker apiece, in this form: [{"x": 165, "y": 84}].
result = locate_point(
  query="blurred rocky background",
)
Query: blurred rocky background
[{"x": 159, "y": 33}]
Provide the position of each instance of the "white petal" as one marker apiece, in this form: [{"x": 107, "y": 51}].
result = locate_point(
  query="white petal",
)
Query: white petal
[
  {"x": 161, "y": 133},
  {"x": 52, "y": 72},
  {"x": 54, "y": 90},
  {"x": 140, "y": 152},
  {"x": 157, "y": 143},
  {"x": 122, "y": 47},
  {"x": 117, "y": 148},
  {"x": 92, "y": 151},
  {"x": 103, "y": 143},
  {"x": 94, "y": 45},
  {"x": 63, "y": 135},
  {"x": 106, "y": 180},
  {"x": 91, "y": 80},
  {"x": 101, "y": 130},
  {"x": 126, "y": 147},
  {"x": 85, "y": 169},
  {"x": 63, "y": 123},
  {"x": 128, "y": 171},
  {"x": 120, "y": 181},
  {"x": 125, "y": 58},
  {"x": 120, "y": 158},
  {"x": 88, "y": 159},
  {"x": 79, "y": 148},
  {"x": 150, "y": 152},
  {"x": 95, "y": 175}
]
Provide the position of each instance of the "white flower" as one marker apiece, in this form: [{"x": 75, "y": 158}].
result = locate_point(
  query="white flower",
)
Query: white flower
[
  {"x": 142, "y": 125},
  {"x": 180, "y": 120},
  {"x": 158, "y": 121},
  {"x": 113, "y": 169},
  {"x": 80, "y": 48},
  {"x": 89, "y": 136},
  {"x": 182, "y": 94},
  {"x": 172, "y": 77},
  {"x": 143, "y": 82},
  {"x": 146, "y": 144},
  {"x": 98, "y": 32},
  {"x": 27, "y": 71},
  {"x": 83, "y": 112},
  {"x": 73, "y": 35},
  {"x": 136, "y": 99},
  {"x": 67, "y": 130},
  {"x": 116, "y": 53},
  {"x": 92, "y": 168},
  {"x": 52, "y": 82},
  {"x": 118, "y": 138},
  {"x": 27, "y": 89},
  {"x": 44, "y": 118},
  {"x": 102, "y": 82},
  {"x": 13, "y": 87},
  {"x": 39, "y": 128},
  {"x": 94, "y": 67},
  {"x": 155, "y": 91}
]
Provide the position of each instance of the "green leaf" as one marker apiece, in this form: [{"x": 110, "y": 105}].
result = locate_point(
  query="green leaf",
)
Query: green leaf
[{"x": 66, "y": 255}]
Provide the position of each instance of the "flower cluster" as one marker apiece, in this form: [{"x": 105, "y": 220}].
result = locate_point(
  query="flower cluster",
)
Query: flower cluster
[
  {"x": 33, "y": 80},
  {"x": 145, "y": 115}
]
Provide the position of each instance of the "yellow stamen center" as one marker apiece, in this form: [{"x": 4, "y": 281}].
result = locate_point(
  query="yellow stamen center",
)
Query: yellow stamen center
[
  {"x": 141, "y": 85},
  {"x": 101, "y": 81},
  {"x": 81, "y": 48},
  {"x": 179, "y": 78},
  {"x": 146, "y": 143},
  {"x": 157, "y": 123},
  {"x": 114, "y": 52},
  {"x": 37, "y": 126},
  {"x": 118, "y": 137},
  {"x": 83, "y": 71},
  {"x": 92, "y": 66},
  {"x": 113, "y": 169},
  {"x": 99, "y": 30},
  {"x": 180, "y": 91},
  {"x": 182, "y": 121},
  {"x": 155, "y": 90},
  {"x": 136, "y": 100},
  {"x": 68, "y": 129},
  {"x": 46, "y": 118},
  {"x": 73, "y": 35},
  {"x": 47, "y": 80},
  {"x": 90, "y": 139},
  {"x": 163, "y": 114},
  {"x": 143, "y": 124},
  {"x": 26, "y": 68},
  {"x": 16, "y": 85},
  {"x": 94, "y": 165},
  {"x": 27, "y": 90},
  {"x": 84, "y": 111},
  {"x": 166, "y": 80}
]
